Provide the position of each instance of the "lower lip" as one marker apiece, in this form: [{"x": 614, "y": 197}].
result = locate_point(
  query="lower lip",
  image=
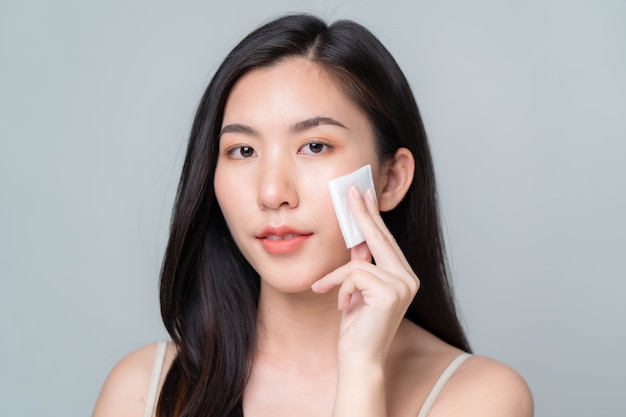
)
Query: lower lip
[{"x": 284, "y": 246}]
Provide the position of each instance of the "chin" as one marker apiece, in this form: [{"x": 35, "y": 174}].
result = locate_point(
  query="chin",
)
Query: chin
[
  {"x": 270, "y": 291},
  {"x": 293, "y": 282}
]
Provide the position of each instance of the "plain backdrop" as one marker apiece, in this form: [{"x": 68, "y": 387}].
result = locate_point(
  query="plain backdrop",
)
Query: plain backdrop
[{"x": 525, "y": 107}]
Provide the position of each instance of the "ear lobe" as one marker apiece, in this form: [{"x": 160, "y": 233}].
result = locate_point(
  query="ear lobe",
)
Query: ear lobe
[{"x": 399, "y": 179}]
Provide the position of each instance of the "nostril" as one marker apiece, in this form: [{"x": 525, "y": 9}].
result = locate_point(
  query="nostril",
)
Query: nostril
[
  {"x": 276, "y": 182},
  {"x": 275, "y": 194}
]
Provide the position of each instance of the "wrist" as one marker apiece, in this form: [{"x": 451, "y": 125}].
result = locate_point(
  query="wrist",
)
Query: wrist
[
  {"x": 360, "y": 389},
  {"x": 361, "y": 360},
  {"x": 361, "y": 364}
]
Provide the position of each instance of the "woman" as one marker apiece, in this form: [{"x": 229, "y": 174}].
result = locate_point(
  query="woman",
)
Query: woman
[{"x": 268, "y": 311}]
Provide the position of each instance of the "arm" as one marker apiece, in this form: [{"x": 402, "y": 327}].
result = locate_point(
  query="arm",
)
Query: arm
[
  {"x": 125, "y": 389},
  {"x": 360, "y": 390},
  {"x": 373, "y": 300},
  {"x": 484, "y": 388}
]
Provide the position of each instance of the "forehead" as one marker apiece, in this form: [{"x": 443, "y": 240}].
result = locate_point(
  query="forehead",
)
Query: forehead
[{"x": 294, "y": 89}]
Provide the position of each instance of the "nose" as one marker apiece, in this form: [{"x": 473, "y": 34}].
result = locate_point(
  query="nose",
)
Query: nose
[{"x": 277, "y": 184}]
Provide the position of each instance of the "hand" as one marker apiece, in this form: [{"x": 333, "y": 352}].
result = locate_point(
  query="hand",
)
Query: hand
[{"x": 373, "y": 298}]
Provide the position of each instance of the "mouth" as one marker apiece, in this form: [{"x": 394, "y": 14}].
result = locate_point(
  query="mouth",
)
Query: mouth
[
  {"x": 282, "y": 240},
  {"x": 284, "y": 237}
]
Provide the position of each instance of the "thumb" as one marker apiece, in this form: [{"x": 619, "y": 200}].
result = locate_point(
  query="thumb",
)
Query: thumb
[{"x": 361, "y": 252}]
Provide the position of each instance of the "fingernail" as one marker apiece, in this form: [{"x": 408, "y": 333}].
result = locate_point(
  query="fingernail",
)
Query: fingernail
[
  {"x": 315, "y": 287},
  {"x": 354, "y": 190},
  {"x": 369, "y": 194}
]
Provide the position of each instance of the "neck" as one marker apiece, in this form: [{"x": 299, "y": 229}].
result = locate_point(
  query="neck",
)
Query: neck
[{"x": 299, "y": 329}]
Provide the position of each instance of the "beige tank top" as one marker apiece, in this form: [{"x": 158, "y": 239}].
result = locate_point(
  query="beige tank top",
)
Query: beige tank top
[
  {"x": 159, "y": 360},
  {"x": 155, "y": 377}
]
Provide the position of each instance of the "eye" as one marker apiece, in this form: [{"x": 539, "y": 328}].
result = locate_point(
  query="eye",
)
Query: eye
[
  {"x": 241, "y": 152},
  {"x": 314, "y": 148}
]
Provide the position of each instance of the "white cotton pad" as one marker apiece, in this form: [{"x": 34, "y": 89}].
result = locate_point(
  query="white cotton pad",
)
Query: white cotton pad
[{"x": 338, "y": 188}]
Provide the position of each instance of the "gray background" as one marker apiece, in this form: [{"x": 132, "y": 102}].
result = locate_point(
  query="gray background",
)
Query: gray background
[{"x": 525, "y": 105}]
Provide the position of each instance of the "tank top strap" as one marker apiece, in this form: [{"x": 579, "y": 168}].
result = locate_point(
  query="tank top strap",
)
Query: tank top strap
[
  {"x": 155, "y": 377},
  {"x": 443, "y": 378}
]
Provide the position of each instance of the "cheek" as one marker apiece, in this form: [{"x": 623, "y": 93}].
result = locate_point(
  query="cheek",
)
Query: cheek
[
  {"x": 320, "y": 205},
  {"x": 219, "y": 188},
  {"x": 226, "y": 194}
]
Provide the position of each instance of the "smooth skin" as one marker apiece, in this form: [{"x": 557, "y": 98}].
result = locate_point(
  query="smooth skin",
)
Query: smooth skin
[{"x": 332, "y": 337}]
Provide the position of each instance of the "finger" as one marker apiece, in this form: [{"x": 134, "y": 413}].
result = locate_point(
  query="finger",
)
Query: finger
[
  {"x": 344, "y": 296},
  {"x": 354, "y": 271},
  {"x": 383, "y": 239},
  {"x": 361, "y": 252},
  {"x": 357, "y": 283},
  {"x": 375, "y": 289},
  {"x": 381, "y": 243},
  {"x": 372, "y": 208},
  {"x": 340, "y": 275},
  {"x": 370, "y": 203}
]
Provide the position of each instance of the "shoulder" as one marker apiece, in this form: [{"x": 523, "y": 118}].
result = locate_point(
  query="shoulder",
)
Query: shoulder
[
  {"x": 478, "y": 387},
  {"x": 126, "y": 388},
  {"x": 484, "y": 387}
]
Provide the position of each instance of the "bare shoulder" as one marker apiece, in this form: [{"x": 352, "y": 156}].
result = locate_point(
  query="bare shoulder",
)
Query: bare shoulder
[
  {"x": 478, "y": 387},
  {"x": 126, "y": 388},
  {"x": 484, "y": 387}
]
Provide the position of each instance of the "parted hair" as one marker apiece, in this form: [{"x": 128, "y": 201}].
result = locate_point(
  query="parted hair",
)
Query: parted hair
[{"x": 208, "y": 292}]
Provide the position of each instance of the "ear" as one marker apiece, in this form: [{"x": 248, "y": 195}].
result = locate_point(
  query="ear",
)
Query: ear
[{"x": 400, "y": 170}]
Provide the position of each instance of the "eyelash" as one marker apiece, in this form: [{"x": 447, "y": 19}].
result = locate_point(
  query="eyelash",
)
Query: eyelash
[
  {"x": 325, "y": 147},
  {"x": 231, "y": 151}
]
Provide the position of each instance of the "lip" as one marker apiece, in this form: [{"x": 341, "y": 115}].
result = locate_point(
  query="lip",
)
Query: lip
[{"x": 282, "y": 240}]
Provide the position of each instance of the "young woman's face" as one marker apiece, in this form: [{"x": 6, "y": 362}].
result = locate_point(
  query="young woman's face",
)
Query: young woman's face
[{"x": 287, "y": 130}]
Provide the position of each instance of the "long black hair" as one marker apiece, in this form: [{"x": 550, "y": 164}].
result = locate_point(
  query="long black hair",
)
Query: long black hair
[{"x": 209, "y": 292}]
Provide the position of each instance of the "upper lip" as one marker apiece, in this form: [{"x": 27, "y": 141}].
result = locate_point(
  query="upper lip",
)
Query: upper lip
[{"x": 283, "y": 230}]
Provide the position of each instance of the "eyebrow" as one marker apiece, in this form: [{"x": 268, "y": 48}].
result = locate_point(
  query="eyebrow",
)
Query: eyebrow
[
  {"x": 295, "y": 128},
  {"x": 314, "y": 122},
  {"x": 238, "y": 128}
]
